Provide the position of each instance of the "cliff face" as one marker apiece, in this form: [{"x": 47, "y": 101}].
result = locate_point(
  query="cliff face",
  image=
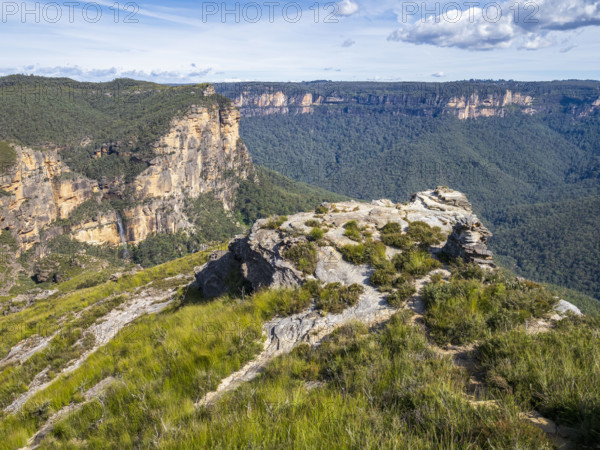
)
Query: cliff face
[
  {"x": 201, "y": 153},
  {"x": 458, "y": 99},
  {"x": 42, "y": 190}
]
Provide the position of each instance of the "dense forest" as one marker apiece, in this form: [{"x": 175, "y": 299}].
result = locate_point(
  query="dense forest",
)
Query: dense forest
[
  {"x": 534, "y": 180},
  {"x": 126, "y": 116}
]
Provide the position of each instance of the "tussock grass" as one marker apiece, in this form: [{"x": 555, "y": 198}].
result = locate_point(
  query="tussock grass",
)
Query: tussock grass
[
  {"x": 557, "y": 373},
  {"x": 41, "y": 318},
  {"x": 163, "y": 364},
  {"x": 373, "y": 390},
  {"x": 465, "y": 310}
]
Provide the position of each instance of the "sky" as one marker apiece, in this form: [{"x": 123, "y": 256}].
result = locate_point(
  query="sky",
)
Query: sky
[{"x": 377, "y": 40}]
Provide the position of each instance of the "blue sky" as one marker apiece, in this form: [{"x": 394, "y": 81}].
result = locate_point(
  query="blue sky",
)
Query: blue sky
[{"x": 185, "y": 42}]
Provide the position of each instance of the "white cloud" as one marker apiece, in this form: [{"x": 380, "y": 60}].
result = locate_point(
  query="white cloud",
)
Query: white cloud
[
  {"x": 438, "y": 75},
  {"x": 346, "y": 8},
  {"x": 528, "y": 26},
  {"x": 80, "y": 73}
]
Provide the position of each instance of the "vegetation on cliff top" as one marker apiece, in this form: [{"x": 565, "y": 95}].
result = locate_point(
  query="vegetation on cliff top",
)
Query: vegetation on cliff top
[{"x": 80, "y": 117}]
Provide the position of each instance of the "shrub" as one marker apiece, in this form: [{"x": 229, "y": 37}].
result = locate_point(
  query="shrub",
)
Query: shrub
[
  {"x": 424, "y": 234},
  {"x": 416, "y": 262},
  {"x": 436, "y": 278},
  {"x": 383, "y": 279},
  {"x": 370, "y": 253},
  {"x": 335, "y": 297},
  {"x": 391, "y": 227},
  {"x": 401, "y": 241},
  {"x": 401, "y": 294},
  {"x": 312, "y": 223},
  {"x": 352, "y": 231},
  {"x": 275, "y": 223},
  {"x": 316, "y": 234},
  {"x": 322, "y": 209},
  {"x": 392, "y": 235},
  {"x": 304, "y": 256}
]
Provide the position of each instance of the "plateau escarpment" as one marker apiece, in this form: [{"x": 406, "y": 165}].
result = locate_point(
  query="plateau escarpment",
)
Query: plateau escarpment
[
  {"x": 464, "y": 100},
  {"x": 200, "y": 154}
]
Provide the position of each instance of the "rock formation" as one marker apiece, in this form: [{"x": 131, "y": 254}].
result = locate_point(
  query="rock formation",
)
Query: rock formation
[
  {"x": 468, "y": 241},
  {"x": 257, "y": 99},
  {"x": 260, "y": 256},
  {"x": 201, "y": 153}
]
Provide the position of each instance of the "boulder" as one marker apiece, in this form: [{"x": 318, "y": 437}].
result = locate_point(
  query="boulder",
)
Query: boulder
[{"x": 468, "y": 241}]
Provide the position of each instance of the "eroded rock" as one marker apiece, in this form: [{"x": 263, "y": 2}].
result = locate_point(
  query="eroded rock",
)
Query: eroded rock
[
  {"x": 468, "y": 241},
  {"x": 260, "y": 256}
]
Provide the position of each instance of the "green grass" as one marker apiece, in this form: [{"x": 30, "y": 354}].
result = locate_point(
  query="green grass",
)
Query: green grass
[
  {"x": 304, "y": 256},
  {"x": 379, "y": 388},
  {"x": 402, "y": 293},
  {"x": 41, "y": 318},
  {"x": 465, "y": 310},
  {"x": 557, "y": 373},
  {"x": 164, "y": 364},
  {"x": 383, "y": 389}
]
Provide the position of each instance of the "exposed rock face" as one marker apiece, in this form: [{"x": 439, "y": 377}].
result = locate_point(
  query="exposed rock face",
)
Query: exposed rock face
[
  {"x": 474, "y": 105},
  {"x": 563, "y": 307},
  {"x": 260, "y": 255},
  {"x": 468, "y": 241},
  {"x": 102, "y": 230},
  {"x": 201, "y": 153},
  {"x": 42, "y": 190},
  {"x": 257, "y": 100}
]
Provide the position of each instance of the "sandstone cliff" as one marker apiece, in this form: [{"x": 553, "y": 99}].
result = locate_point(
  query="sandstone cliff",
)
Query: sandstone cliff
[
  {"x": 464, "y": 106},
  {"x": 201, "y": 153},
  {"x": 464, "y": 100}
]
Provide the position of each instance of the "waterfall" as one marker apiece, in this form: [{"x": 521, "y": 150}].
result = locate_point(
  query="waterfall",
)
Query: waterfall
[{"x": 122, "y": 235}]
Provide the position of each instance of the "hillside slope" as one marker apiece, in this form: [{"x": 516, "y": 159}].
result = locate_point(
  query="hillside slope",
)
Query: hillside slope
[
  {"x": 147, "y": 360},
  {"x": 147, "y": 171}
]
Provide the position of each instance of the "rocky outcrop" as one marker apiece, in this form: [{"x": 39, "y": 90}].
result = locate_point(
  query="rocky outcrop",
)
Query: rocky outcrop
[
  {"x": 260, "y": 256},
  {"x": 468, "y": 241}
]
